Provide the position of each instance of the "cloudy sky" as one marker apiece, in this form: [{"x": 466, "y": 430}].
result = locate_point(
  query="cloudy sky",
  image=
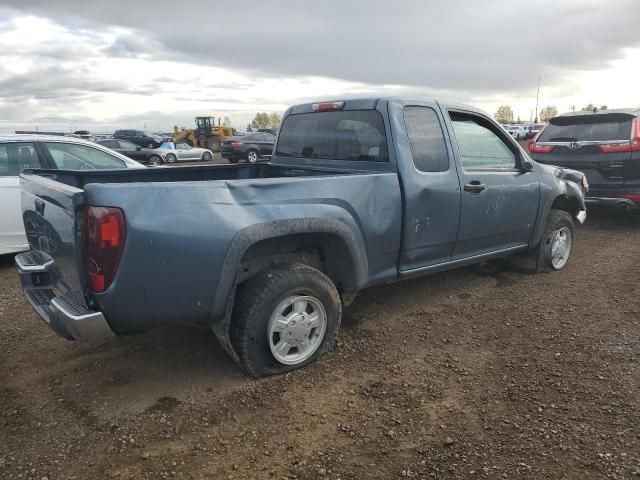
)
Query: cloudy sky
[{"x": 67, "y": 64}]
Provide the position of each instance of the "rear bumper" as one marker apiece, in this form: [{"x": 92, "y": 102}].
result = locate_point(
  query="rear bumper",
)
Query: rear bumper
[
  {"x": 66, "y": 314},
  {"x": 611, "y": 202}
]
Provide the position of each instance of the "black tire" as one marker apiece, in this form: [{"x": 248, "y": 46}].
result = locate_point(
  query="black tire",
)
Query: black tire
[
  {"x": 170, "y": 158},
  {"x": 155, "y": 160},
  {"x": 256, "y": 301},
  {"x": 233, "y": 160},
  {"x": 557, "y": 221},
  {"x": 252, "y": 156},
  {"x": 214, "y": 145},
  {"x": 206, "y": 156}
]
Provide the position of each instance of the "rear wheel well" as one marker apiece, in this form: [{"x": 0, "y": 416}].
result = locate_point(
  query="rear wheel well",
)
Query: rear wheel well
[
  {"x": 325, "y": 252},
  {"x": 568, "y": 204}
]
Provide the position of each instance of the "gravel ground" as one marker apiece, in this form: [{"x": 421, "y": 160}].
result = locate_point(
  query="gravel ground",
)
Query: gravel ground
[{"x": 474, "y": 373}]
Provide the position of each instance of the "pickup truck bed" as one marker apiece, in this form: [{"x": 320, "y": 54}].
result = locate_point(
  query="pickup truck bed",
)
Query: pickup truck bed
[{"x": 358, "y": 193}]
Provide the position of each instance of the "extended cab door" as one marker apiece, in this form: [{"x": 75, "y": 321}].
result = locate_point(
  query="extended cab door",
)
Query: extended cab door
[
  {"x": 499, "y": 198},
  {"x": 431, "y": 190}
]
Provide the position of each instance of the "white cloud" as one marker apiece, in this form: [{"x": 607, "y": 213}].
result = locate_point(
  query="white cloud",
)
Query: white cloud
[{"x": 74, "y": 65}]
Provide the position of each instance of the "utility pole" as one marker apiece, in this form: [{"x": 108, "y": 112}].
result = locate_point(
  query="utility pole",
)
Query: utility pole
[{"x": 537, "y": 99}]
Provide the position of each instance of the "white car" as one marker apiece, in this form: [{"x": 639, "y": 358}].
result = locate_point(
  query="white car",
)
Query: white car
[
  {"x": 518, "y": 131},
  {"x": 182, "y": 152},
  {"x": 19, "y": 152}
]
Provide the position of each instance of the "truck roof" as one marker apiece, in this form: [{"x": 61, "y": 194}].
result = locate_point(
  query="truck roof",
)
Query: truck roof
[{"x": 372, "y": 102}]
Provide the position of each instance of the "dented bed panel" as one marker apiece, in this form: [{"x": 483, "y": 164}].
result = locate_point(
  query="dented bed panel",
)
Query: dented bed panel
[{"x": 167, "y": 276}]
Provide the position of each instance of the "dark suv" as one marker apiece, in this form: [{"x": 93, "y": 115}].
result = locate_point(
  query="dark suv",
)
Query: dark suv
[
  {"x": 605, "y": 145},
  {"x": 138, "y": 137},
  {"x": 251, "y": 147}
]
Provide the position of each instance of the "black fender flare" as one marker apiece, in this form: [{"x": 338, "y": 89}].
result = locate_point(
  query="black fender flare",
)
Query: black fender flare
[
  {"x": 569, "y": 190},
  {"x": 220, "y": 317}
]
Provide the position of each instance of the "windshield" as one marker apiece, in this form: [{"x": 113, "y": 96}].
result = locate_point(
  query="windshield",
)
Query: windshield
[
  {"x": 588, "y": 128},
  {"x": 336, "y": 135}
]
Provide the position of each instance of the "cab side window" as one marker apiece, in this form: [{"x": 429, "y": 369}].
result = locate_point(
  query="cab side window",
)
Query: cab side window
[
  {"x": 428, "y": 147},
  {"x": 479, "y": 144},
  {"x": 68, "y": 156}
]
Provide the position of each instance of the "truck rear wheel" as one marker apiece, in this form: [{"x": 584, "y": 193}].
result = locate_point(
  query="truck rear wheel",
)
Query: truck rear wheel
[{"x": 284, "y": 318}]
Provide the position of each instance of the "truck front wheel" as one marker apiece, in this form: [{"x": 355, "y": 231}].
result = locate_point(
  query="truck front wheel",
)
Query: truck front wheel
[
  {"x": 284, "y": 318},
  {"x": 557, "y": 240}
]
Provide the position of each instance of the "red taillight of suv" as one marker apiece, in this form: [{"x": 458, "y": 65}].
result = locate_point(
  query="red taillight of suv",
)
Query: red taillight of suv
[
  {"x": 236, "y": 144},
  {"x": 533, "y": 148},
  {"x": 105, "y": 233},
  {"x": 632, "y": 146}
]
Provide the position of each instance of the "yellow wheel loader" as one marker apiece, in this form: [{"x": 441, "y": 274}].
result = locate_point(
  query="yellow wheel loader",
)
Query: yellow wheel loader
[{"x": 206, "y": 134}]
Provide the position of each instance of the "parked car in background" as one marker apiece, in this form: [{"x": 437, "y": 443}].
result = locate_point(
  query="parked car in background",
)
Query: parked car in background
[
  {"x": 135, "y": 152},
  {"x": 604, "y": 145},
  {"x": 359, "y": 193},
  {"x": 19, "y": 152},
  {"x": 517, "y": 131},
  {"x": 252, "y": 146},
  {"x": 83, "y": 134},
  {"x": 183, "y": 152},
  {"x": 138, "y": 137},
  {"x": 533, "y": 130}
]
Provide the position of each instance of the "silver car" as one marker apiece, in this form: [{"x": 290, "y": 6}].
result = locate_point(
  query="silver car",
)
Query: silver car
[{"x": 182, "y": 152}]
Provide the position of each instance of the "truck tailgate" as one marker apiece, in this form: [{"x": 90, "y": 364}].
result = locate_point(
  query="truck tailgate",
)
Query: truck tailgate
[{"x": 50, "y": 273}]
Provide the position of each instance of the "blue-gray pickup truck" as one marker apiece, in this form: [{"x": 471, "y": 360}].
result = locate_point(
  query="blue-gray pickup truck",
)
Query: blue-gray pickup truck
[{"x": 358, "y": 193}]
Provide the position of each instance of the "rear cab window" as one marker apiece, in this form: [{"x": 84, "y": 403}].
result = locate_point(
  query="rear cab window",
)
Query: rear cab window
[{"x": 352, "y": 135}]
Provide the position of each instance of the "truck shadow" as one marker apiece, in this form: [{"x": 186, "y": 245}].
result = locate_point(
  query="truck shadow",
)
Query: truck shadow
[{"x": 135, "y": 373}]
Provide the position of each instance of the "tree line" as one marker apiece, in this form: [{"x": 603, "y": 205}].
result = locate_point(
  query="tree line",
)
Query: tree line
[
  {"x": 504, "y": 114},
  {"x": 266, "y": 121}
]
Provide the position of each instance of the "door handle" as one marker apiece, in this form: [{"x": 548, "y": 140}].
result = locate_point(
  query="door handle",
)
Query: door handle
[{"x": 474, "y": 187}]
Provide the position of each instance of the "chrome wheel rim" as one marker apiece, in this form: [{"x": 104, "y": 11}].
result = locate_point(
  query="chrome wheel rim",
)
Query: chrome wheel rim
[
  {"x": 296, "y": 329},
  {"x": 561, "y": 243},
  {"x": 253, "y": 157},
  {"x": 154, "y": 160},
  {"x": 171, "y": 158}
]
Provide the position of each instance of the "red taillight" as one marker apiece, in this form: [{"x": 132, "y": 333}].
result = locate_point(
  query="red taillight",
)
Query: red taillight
[
  {"x": 103, "y": 243},
  {"x": 631, "y": 196},
  {"x": 236, "y": 144},
  {"x": 534, "y": 148},
  {"x": 632, "y": 146},
  {"x": 326, "y": 106}
]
